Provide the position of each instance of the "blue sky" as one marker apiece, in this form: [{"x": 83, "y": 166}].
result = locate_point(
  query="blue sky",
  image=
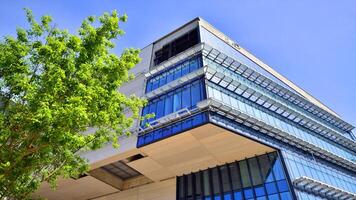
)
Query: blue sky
[{"x": 312, "y": 43}]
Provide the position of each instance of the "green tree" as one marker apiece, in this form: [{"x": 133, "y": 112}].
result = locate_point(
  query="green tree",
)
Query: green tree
[{"x": 53, "y": 86}]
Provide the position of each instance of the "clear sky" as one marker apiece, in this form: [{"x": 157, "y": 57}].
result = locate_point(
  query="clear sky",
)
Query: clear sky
[{"x": 312, "y": 43}]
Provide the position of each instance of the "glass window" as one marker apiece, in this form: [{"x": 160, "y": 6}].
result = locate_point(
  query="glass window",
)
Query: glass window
[
  {"x": 168, "y": 105},
  {"x": 282, "y": 186},
  {"x": 177, "y": 98},
  {"x": 186, "y": 97},
  {"x": 255, "y": 171},
  {"x": 189, "y": 186},
  {"x": 266, "y": 171},
  {"x": 248, "y": 193},
  {"x": 238, "y": 195},
  {"x": 162, "y": 80},
  {"x": 260, "y": 191},
  {"x": 170, "y": 77},
  {"x": 198, "y": 185},
  {"x": 216, "y": 182},
  {"x": 277, "y": 166},
  {"x": 152, "y": 110},
  {"x": 194, "y": 64},
  {"x": 173, "y": 73},
  {"x": 271, "y": 188},
  {"x": 235, "y": 177},
  {"x": 225, "y": 178},
  {"x": 196, "y": 93},
  {"x": 206, "y": 182},
  {"x": 160, "y": 111},
  {"x": 177, "y": 73},
  {"x": 222, "y": 183},
  {"x": 244, "y": 174}
]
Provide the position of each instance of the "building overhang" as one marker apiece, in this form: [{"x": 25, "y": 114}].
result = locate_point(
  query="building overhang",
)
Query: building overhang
[{"x": 193, "y": 150}]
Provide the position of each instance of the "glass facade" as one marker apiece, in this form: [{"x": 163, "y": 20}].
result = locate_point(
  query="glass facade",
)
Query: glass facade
[
  {"x": 264, "y": 176},
  {"x": 251, "y": 109},
  {"x": 173, "y": 73},
  {"x": 185, "y": 96},
  {"x": 260, "y": 177}
]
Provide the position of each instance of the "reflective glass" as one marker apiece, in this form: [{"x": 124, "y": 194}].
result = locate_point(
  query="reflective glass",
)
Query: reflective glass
[{"x": 222, "y": 176}]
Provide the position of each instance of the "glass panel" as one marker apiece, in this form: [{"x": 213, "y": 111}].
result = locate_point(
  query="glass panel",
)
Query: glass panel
[
  {"x": 198, "y": 180},
  {"x": 186, "y": 97},
  {"x": 196, "y": 93},
  {"x": 277, "y": 166},
  {"x": 168, "y": 105},
  {"x": 244, "y": 174},
  {"x": 235, "y": 177},
  {"x": 226, "y": 184},
  {"x": 225, "y": 178},
  {"x": 189, "y": 186},
  {"x": 177, "y": 98},
  {"x": 266, "y": 170},
  {"x": 216, "y": 182},
  {"x": 206, "y": 183},
  {"x": 271, "y": 188},
  {"x": 180, "y": 187},
  {"x": 160, "y": 111},
  {"x": 255, "y": 172},
  {"x": 248, "y": 193},
  {"x": 238, "y": 195}
]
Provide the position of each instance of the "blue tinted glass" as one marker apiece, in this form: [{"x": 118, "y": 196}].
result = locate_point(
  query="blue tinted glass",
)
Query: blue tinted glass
[
  {"x": 148, "y": 138},
  {"x": 155, "y": 84},
  {"x": 160, "y": 110},
  {"x": 177, "y": 99},
  {"x": 286, "y": 196},
  {"x": 166, "y": 131},
  {"x": 193, "y": 65},
  {"x": 227, "y": 196},
  {"x": 162, "y": 80},
  {"x": 141, "y": 141},
  {"x": 217, "y": 197},
  {"x": 238, "y": 195},
  {"x": 197, "y": 119},
  {"x": 177, "y": 73},
  {"x": 176, "y": 128},
  {"x": 261, "y": 198},
  {"x": 248, "y": 193},
  {"x": 186, "y": 97},
  {"x": 149, "y": 86},
  {"x": 168, "y": 105},
  {"x": 282, "y": 186},
  {"x": 271, "y": 188},
  {"x": 185, "y": 68},
  {"x": 273, "y": 197},
  {"x": 260, "y": 191},
  {"x": 196, "y": 93},
  {"x": 186, "y": 124},
  {"x": 207, "y": 198},
  {"x": 266, "y": 171},
  {"x": 152, "y": 110},
  {"x": 170, "y": 77},
  {"x": 157, "y": 135},
  {"x": 277, "y": 167}
]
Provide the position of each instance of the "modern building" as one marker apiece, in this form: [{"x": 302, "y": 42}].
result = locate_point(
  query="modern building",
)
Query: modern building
[{"x": 226, "y": 126}]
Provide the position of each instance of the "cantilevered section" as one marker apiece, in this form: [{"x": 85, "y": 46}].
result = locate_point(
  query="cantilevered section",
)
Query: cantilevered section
[
  {"x": 322, "y": 189},
  {"x": 193, "y": 150}
]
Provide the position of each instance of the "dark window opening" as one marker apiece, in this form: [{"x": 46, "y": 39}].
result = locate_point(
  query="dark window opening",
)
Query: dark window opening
[{"x": 176, "y": 46}]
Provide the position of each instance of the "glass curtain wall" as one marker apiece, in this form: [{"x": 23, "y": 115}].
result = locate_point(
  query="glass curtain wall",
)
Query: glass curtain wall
[
  {"x": 173, "y": 73},
  {"x": 186, "y": 96},
  {"x": 260, "y": 177}
]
